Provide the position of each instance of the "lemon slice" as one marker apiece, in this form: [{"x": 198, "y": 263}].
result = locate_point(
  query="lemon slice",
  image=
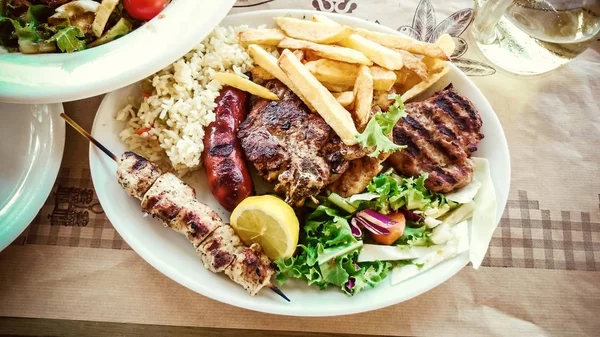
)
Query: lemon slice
[{"x": 268, "y": 221}]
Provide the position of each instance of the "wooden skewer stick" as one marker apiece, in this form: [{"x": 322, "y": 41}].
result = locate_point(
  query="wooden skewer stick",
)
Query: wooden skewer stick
[{"x": 89, "y": 137}]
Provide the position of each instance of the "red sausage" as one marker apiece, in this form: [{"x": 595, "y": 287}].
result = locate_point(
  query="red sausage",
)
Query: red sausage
[{"x": 227, "y": 173}]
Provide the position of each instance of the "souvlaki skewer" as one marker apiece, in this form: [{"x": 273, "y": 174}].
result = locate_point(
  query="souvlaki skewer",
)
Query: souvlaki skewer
[{"x": 173, "y": 202}]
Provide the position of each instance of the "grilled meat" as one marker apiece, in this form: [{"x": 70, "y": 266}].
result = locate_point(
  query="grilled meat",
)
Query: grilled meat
[
  {"x": 218, "y": 251},
  {"x": 360, "y": 173},
  {"x": 174, "y": 203},
  {"x": 440, "y": 135},
  {"x": 166, "y": 197},
  {"x": 136, "y": 174},
  {"x": 292, "y": 147},
  {"x": 251, "y": 268}
]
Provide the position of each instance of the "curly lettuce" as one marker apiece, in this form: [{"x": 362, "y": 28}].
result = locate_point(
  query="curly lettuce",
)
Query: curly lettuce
[
  {"x": 328, "y": 255},
  {"x": 378, "y": 131}
]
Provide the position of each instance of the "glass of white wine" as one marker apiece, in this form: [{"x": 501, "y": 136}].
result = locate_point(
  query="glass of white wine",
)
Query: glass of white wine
[{"x": 531, "y": 37}]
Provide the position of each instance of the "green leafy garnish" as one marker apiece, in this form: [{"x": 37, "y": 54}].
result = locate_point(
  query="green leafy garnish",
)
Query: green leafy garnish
[
  {"x": 378, "y": 130},
  {"x": 67, "y": 39},
  {"x": 329, "y": 253},
  {"x": 388, "y": 192}
]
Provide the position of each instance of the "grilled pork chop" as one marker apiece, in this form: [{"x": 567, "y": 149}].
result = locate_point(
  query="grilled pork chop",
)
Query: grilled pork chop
[
  {"x": 440, "y": 134},
  {"x": 292, "y": 147}
]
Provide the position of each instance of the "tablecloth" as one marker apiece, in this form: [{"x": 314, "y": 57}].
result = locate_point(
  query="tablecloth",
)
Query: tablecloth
[{"x": 541, "y": 275}]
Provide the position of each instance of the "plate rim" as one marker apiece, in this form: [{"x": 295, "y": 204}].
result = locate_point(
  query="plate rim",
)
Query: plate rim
[
  {"x": 49, "y": 168},
  {"x": 139, "y": 44},
  {"x": 166, "y": 270}
]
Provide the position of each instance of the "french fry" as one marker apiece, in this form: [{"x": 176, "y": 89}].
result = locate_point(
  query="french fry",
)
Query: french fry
[
  {"x": 377, "y": 53},
  {"x": 383, "y": 79},
  {"x": 313, "y": 31},
  {"x": 434, "y": 65},
  {"x": 243, "y": 84},
  {"x": 310, "y": 55},
  {"x": 406, "y": 43},
  {"x": 327, "y": 106},
  {"x": 267, "y": 37},
  {"x": 299, "y": 55},
  {"x": 323, "y": 19},
  {"x": 363, "y": 93},
  {"x": 345, "y": 98},
  {"x": 341, "y": 74},
  {"x": 413, "y": 63},
  {"x": 259, "y": 73},
  {"x": 425, "y": 84},
  {"x": 268, "y": 62},
  {"x": 327, "y": 51},
  {"x": 402, "y": 75},
  {"x": 336, "y": 87}
]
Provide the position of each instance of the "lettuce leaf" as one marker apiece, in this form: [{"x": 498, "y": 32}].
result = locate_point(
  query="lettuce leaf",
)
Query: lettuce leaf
[
  {"x": 67, "y": 39},
  {"x": 378, "y": 130},
  {"x": 388, "y": 192},
  {"x": 328, "y": 255}
]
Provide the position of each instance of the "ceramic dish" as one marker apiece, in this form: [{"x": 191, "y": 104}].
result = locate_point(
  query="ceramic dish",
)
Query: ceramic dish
[
  {"x": 169, "y": 252},
  {"x": 52, "y": 78},
  {"x": 32, "y": 138}
]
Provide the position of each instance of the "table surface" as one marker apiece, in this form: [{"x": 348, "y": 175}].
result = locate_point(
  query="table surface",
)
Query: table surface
[{"x": 541, "y": 275}]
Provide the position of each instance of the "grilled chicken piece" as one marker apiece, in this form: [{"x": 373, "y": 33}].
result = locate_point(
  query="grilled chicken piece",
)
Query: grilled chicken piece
[
  {"x": 174, "y": 203},
  {"x": 136, "y": 174},
  {"x": 166, "y": 197},
  {"x": 196, "y": 221},
  {"x": 251, "y": 268},
  {"x": 292, "y": 147},
  {"x": 220, "y": 249},
  {"x": 440, "y": 133}
]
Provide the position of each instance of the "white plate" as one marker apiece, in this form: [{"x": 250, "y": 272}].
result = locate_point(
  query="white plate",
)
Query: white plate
[
  {"x": 171, "y": 254},
  {"x": 53, "y": 78},
  {"x": 32, "y": 138}
]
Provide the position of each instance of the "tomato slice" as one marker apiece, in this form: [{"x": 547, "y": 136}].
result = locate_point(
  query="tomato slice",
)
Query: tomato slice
[
  {"x": 144, "y": 9},
  {"x": 395, "y": 231}
]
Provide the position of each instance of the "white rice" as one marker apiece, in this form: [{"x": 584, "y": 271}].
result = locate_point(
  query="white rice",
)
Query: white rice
[{"x": 183, "y": 102}]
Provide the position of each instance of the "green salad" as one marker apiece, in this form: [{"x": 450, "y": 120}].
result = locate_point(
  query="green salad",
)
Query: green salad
[
  {"x": 48, "y": 26},
  {"x": 333, "y": 239}
]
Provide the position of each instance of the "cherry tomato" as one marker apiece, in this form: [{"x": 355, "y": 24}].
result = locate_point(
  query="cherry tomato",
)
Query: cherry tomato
[
  {"x": 144, "y": 9},
  {"x": 395, "y": 231}
]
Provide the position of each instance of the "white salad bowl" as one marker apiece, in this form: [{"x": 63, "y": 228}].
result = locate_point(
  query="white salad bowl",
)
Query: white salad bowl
[
  {"x": 58, "y": 77},
  {"x": 171, "y": 254}
]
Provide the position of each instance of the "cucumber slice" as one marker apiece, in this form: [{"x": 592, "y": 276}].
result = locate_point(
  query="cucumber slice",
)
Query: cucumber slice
[{"x": 102, "y": 15}]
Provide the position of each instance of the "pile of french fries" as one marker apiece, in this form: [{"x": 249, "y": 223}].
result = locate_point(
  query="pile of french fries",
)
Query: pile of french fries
[{"x": 338, "y": 71}]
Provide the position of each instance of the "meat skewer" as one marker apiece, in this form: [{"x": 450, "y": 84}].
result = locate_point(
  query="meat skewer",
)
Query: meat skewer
[{"x": 169, "y": 199}]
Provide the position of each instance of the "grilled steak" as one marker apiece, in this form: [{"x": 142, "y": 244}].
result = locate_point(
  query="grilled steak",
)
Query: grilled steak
[
  {"x": 440, "y": 134},
  {"x": 292, "y": 147}
]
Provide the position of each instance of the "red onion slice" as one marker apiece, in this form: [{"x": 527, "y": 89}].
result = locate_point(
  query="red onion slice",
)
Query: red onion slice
[
  {"x": 355, "y": 227},
  {"x": 371, "y": 227}
]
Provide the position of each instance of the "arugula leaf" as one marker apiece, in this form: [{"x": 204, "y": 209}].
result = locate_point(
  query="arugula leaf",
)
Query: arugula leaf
[
  {"x": 26, "y": 33},
  {"x": 378, "y": 130},
  {"x": 67, "y": 39}
]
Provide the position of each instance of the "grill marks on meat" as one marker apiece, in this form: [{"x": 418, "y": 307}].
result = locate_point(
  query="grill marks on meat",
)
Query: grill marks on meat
[
  {"x": 136, "y": 174},
  {"x": 292, "y": 147},
  {"x": 440, "y": 135},
  {"x": 174, "y": 203}
]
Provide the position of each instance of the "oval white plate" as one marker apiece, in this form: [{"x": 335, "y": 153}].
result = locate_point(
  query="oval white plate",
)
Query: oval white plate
[
  {"x": 32, "y": 139},
  {"x": 171, "y": 254},
  {"x": 53, "y": 78}
]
